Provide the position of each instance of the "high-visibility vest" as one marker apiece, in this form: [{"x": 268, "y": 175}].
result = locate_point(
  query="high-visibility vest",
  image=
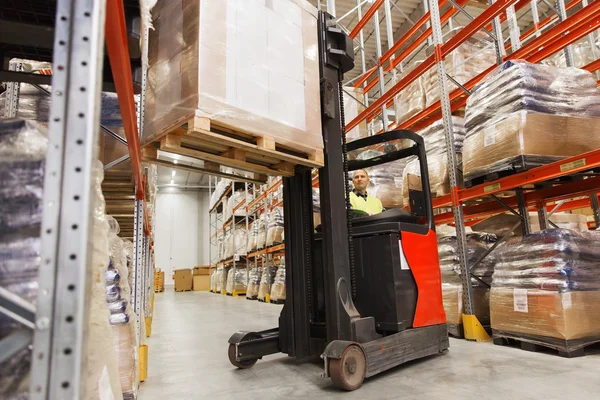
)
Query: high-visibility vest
[{"x": 371, "y": 204}]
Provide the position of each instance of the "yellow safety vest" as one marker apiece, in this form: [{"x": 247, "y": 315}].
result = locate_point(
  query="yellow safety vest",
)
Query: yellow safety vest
[{"x": 371, "y": 205}]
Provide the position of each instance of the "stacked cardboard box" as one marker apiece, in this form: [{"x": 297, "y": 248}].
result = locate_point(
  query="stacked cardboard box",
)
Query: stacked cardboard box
[{"x": 183, "y": 280}]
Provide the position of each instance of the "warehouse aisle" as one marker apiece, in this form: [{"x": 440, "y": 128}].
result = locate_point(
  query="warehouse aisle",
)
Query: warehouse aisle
[{"x": 188, "y": 360}]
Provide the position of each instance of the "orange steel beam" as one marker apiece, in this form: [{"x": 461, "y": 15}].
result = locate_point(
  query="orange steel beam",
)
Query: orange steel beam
[
  {"x": 476, "y": 24},
  {"x": 118, "y": 53},
  {"x": 593, "y": 66},
  {"x": 366, "y": 18}
]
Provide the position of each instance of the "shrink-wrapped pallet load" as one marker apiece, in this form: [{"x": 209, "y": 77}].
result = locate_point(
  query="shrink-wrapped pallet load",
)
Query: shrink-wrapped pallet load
[
  {"x": 275, "y": 228},
  {"x": 524, "y": 115},
  {"x": 247, "y": 65},
  {"x": 546, "y": 289}
]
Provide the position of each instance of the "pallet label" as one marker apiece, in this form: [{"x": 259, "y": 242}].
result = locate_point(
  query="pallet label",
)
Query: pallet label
[
  {"x": 572, "y": 165},
  {"x": 492, "y": 188},
  {"x": 520, "y": 300},
  {"x": 489, "y": 136}
]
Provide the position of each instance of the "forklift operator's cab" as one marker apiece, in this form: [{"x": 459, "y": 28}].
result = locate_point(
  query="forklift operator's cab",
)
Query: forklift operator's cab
[{"x": 397, "y": 275}]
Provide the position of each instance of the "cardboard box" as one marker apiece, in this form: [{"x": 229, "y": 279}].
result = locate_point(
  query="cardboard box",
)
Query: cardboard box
[
  {"x": 183, "y": 279},
  {"x": 522, "y": 133},
  {"x": 201, "y": 282},
  {"x": 453, "y": 303},
  {"x": 201, "y": 270},
  {"x": 570, "y": 315}
]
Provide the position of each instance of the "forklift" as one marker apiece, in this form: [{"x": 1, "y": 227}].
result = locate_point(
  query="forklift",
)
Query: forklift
[{"x": 363, "y": 292}]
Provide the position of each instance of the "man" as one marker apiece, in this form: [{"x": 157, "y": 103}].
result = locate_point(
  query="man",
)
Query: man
[{"x": 359, "y": 199}]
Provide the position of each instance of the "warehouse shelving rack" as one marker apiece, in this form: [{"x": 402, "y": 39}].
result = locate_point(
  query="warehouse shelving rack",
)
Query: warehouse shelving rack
[
  {"x": 58, "y": 324},
  {"x": 545, "y": 38}
]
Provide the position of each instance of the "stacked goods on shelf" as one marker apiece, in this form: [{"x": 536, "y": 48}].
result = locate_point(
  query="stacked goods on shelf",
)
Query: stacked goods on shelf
[
  {"x": 22, "y": 160},
  {"x": 237, "y": 280},
  {"x": 235, "y": 243},
  {"x": 524, "y": 115},
  {"x": 121, "y": 318},
  {"x": 437, "y": 159},
  {"x": 452, "y": 292},
  {"x": 471, "y": 58},
  {"x": 151, "y": 182},
  {"x": 252, "y": 236},
  {"x": 253, "y": 283},
  {"x": 278, "y": 291},
  {"x": 546, "y": 289},
  {"x": 236, "y": 198},
  {"x": 101, "y": 342},
  {"x": 249, "y": 66},
  {"x": 275, "y": 227},
  {"x": 583, "y": 54},
  {"x": 218, "y": 278},
  {"x": 159, "y": 280},
  {"x": 266, "y": 282},
  {"x": 220, "y": 189},
  {"x": 411, "y": 100},
  {"x": 261, "y": 235},
  {"x": 576, "y": 222}
]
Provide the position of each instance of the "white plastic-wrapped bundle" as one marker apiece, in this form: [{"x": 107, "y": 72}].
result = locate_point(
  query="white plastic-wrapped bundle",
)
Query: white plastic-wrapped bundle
[
  {"x": 266, "y": 280},
  {"x": 221, "y": 187},
  {"x": 275, "y": 229},
  {"x": 278, "y": 292},
  {"x": 411, "y": 100},
  {"x": 583, "y": 54},
  {"x": 237, "y": 280},
  {"x": 22, "y": 157},
  {"x": 261, "y": 236},
  {"x": 254, "y": 276},
  {"x": 252, "y": 236},
  {"x": 525, "y": 115},
  {"x": 471, "y": 58},
  {"x": 122, "y": 317},
  {"x": 102, "y": 368},
  {"x": 219, "y": 286}
]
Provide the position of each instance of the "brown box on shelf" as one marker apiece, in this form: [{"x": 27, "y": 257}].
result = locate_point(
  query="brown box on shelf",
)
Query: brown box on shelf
[
  {"x": 183, "y": 279},
  {"x": 453, "y": 303},
  {"x": 201, "y": 282},
  {"x": 202, "y": 270},
  {"x": 569, "y": 315},
  {"x": 533, "y": 134}
]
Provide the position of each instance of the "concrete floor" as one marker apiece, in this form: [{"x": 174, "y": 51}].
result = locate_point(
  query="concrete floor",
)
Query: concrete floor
[{"x": 188, "y": 360}]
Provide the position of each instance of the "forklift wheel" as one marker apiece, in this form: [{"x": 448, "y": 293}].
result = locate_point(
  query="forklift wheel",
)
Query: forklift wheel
[
  {"x": 240, "y": 364},
  {"x": 348, "y": 372}
]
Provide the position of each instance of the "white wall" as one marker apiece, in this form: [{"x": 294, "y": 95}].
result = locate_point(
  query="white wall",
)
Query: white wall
[{"x": 181, "y": 237}]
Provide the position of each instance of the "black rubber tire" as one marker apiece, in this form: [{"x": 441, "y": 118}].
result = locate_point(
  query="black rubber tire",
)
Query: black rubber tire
[
  {"x": 348, "y": 372},
  {"x": 239, "y": 364}
]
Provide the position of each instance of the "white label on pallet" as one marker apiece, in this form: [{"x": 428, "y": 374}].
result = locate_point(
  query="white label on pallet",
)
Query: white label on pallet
[
  {"x": 104, "y": 390},
  {"x": 489, "y": 136},
  {"x": 520, "y": 300},
  {"x": 566, "y": 300},
  {"x": 460, "y": 302}
]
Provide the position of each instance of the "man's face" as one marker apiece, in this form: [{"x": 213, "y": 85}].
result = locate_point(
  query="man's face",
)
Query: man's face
[{"x": 360, "y": 180}]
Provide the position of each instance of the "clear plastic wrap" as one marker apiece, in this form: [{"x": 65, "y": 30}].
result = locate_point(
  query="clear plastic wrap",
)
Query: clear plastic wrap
[
  {"x": 252, "y": 236},
  {"x": 471, "y": 58},
  {"x": 266, "y": 281},
  {"x": 22, "y": 159},
  {"x": 251, "y": 66},
  {"x": 254, "y": 276},
  {"x": 220, "y": 188},
  {"x": 237, "y": 280},
  {"x": 122, "y": 316},
  {"x": 235, "y": 243},
  {"x": 102, "y": 366},
  {"x": 562, "y": 220},
  {"x": 261, "y": 235},
  {"x": 220, "y": 279},
  {"x": 583, "y": 54},
  {"x": 354, "y": 100},
  {"x": 275, "y": 229},
  {"x": 278, "y": 292},
  {"x": 525, "y": 115},
  {"x": 411, "y": 100},
  {"x": 437, "y": 159}
]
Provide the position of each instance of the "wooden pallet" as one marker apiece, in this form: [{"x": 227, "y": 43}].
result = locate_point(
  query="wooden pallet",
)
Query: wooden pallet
[
  {"x": 252, "y": 298},
  {"x": 158, "y": 290},
  {"x": 185, "y": 290},
  {"x": 217, "y": 145},
  {"x": 564, "y": 348}
]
